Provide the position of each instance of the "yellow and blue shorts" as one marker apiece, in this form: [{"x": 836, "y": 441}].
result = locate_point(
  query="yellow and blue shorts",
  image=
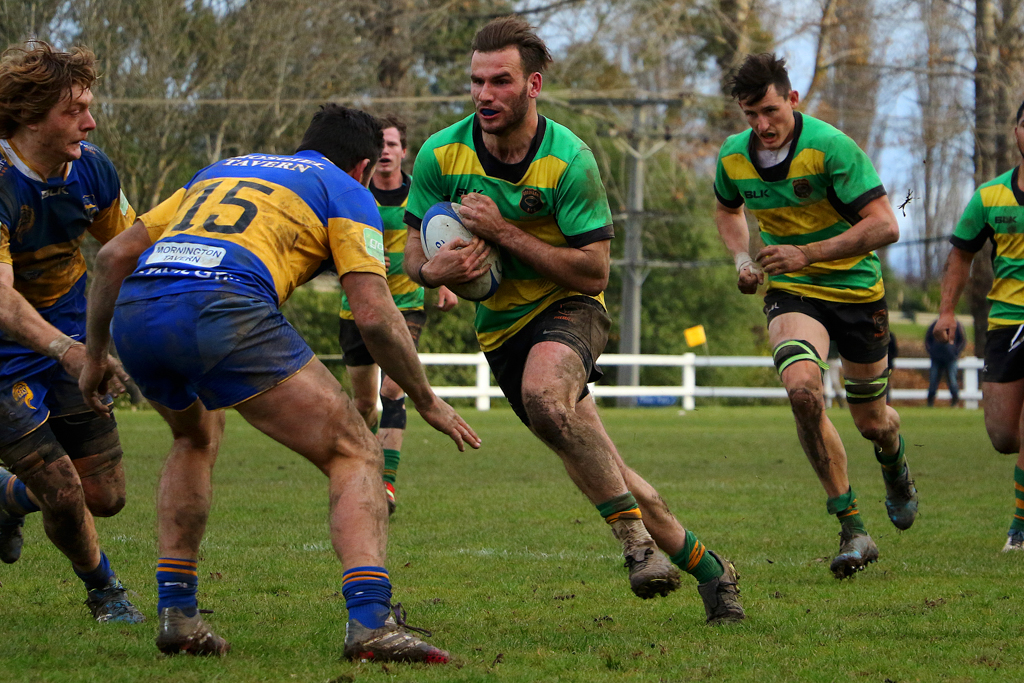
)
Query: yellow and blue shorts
[{"x": 220, "y": 347}]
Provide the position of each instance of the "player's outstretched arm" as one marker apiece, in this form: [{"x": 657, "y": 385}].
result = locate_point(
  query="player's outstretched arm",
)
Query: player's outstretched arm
[
  {"x": 876, "y": 228},
  {"x": 584, "y": 269},
  {"x": 732, "y": 228},
  {"x": 954, "y": 279},
  {"x": 388, "y": 340},
  {"x": 115, "y": 261}
]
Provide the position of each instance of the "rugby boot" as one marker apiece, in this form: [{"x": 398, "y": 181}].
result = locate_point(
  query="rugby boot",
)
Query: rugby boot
[
  {"x": 900, "y": 498},
  {"x": 110, "y": 604},
  {"x": 721, "y": 596},
  {"x": 389, "y": 488},
  {"x": 856, "y": 551},
  {"x": 651, "y": 573},
  {"x": 10, "y": 526},
  {"x": 392, "y": 642},
  {"x": 179, "y": 633},
  {"x": 1014, "y": 541}
]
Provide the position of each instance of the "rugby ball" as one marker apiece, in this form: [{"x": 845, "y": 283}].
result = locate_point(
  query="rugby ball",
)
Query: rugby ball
[{"x": 440, "y": 225}]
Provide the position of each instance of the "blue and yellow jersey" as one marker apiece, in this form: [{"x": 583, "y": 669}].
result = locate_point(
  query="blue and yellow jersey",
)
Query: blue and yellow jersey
[
  {"x": 816, "y": 193},
  {"x": 43, "y": 221},
  {"x": 555, "y": 194},
  {"x": 407, "y": 294},
  {"x": 259, "y": 225},
  {"x": 996, "y": 213}
]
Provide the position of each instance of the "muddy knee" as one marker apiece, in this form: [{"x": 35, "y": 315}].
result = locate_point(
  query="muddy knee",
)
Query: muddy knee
[
  {"x": 94, "y": 447},
  {"x": 806, "y": 404},
  {"x": 548, "y": 418},
  {"x": 1004, "y": 441}
]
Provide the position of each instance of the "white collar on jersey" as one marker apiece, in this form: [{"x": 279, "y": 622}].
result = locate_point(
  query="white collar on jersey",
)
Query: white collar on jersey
[{"x": 12, "y": 155}]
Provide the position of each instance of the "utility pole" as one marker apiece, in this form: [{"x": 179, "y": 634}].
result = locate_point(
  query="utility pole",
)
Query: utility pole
[{"x": 633, "y": 272}]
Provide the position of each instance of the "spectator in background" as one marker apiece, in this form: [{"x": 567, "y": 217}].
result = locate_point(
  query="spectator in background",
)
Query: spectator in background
[{"x": 944, "y": 356}]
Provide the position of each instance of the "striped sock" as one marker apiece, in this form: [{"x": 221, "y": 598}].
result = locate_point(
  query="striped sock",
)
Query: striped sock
[
  {"x": 844, "y": 507},
  {"x": 14, "y": 497},
  {"x": 367, "y": 592},
  {"x": 892, "y": 465},
  {"x": 177, "y": 581},
  {"x": 694, "y": 559},
  {"x": 619, "y": 507},
  {"x": 98, "y": 577},
  {"x": 1018, "y": 491},
  {"x": 391, "y": 458}
]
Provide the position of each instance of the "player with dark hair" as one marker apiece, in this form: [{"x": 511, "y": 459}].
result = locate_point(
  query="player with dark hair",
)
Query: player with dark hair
[
  {"x": 822, "y": 211},
  {"x": 531, "y": 187},
  {"x": 995, "y": 213},
  {"x": 390, "y": 187},
  {"x": 54, "y": 186},
  {"x": 198, "y": 327}
]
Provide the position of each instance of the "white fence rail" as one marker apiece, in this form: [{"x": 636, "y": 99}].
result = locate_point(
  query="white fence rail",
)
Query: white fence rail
[{"x": 688, "y": 389}]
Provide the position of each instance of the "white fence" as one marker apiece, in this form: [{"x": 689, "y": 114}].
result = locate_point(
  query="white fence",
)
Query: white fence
[{"x": 688, "y": 389}]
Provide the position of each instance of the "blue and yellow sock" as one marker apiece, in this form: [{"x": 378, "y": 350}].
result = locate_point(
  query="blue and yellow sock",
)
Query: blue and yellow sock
[
  {"x": 844, "y": 507},
  {"x": 367, "y": 592},
  {"x": 391, "y": 458},
  {"x": 619, "y": 507},
  {"x": 893, "y": 465},
  {"x": 14, "y": 496},
  {"x": 98, "y": 577},
  {"x": 1018, "y": 491},
  {"x": 694, "y": 559},
  {"x": 177, "y": 581}
]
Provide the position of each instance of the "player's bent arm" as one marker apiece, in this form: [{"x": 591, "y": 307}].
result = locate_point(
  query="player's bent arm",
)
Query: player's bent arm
[
  {"x": 954, "y": 279},
  {"x": 455, "y": 262},
  {"x": 582, "y": 269},
  {"x": 21, "y": 322},
  {"x": 114, "y": 262},
  {"x": 732, "y": 228},
  {"x": 876, "y": 228},
  {"x": 388, "y": 340}
]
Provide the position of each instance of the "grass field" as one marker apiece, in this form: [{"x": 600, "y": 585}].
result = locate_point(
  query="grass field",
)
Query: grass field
[{"x": 519, "y": 578}]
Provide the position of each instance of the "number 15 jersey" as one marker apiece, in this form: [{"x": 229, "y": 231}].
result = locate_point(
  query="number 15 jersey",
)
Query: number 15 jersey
[{"x": 259, "y": 225}]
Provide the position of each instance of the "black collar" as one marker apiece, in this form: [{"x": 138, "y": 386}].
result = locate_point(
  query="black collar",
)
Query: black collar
[
  {"x": 1017, "y": 193},
  {"x": 779, "y": 171},
  {"x": 393, "y": 197},
  {"x": 513, "y": 173}
]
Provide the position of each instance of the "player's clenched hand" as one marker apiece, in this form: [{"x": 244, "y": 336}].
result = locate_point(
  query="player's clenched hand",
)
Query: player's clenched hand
[
  {"x": 749, "y": 279},
  {"x": 456, "y": 262},
  {"x": 945, "y": 328},
  {"x": 446, "y": 299},
  {"x": 481, "y": 217},
  {"x": 99, "y": 378},
  {"x": 443, "y": 418},
  {"x": 782, "y": 258}
]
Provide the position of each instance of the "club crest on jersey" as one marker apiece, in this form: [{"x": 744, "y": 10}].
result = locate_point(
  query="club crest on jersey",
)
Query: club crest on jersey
[
  {"x": 532, "y": 202},
  {"x": 26, "y": 220},
  {"x": 802, "y": 188},
  {"x": 23, "y": 394}
]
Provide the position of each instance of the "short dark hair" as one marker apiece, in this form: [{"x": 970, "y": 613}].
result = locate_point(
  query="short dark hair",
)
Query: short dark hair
[
  {"x": 750, "y": 82},
  {"x": 512, "y": 31},
  {"x": 392, "y": 121},
  {"x": 1020, "y": 112},
  {"x": 35, "y": 77},
  {"x": 345, "y": 136}
]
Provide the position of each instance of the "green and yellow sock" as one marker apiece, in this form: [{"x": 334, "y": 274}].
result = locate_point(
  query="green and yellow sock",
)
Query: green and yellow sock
[
  {"x": 391, "y": 458},
  {"x": 694, "y": 559},
  {"x": 844, "y": 507},
  {"x": 893, "y": 465},
  {"x": 1018, "y": 491},
  {"x": 619, "y": 507}
]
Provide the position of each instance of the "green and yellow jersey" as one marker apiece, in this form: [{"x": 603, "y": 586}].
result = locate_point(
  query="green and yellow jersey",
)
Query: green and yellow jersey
[
  {"x": 816, "y": 193},
  {"x": 996, "y": 212},
  {"x": 392, "y": 204},
  {"x": 555, "y": 194}
]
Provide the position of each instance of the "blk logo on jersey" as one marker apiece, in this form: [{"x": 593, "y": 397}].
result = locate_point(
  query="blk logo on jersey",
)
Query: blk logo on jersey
[
  {"x": 23, "y": 394},
  {"x": 532, "y": 202},
  {"x": 802, "y": 188}
]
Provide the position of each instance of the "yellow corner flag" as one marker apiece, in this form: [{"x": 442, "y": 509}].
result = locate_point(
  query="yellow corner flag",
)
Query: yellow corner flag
[{"x": 695, "y": 336}]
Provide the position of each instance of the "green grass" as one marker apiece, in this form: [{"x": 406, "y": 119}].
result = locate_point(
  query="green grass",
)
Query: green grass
[{"x": 518, "y": 577}]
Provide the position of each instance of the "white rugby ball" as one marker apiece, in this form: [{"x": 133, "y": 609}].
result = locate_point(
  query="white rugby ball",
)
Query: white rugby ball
[{"x": 440, "y": 225}]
